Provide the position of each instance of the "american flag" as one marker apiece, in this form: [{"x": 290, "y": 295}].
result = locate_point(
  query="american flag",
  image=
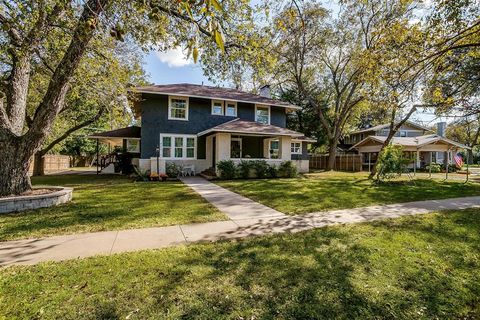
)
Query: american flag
[{"x": 458, "y": 160}]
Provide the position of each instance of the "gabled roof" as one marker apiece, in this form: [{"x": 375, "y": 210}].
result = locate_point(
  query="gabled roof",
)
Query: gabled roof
[
  {"x": 132, "y": 132},
  {"x": 387, "y": 125},
  {"x": 201, "y": 91},
  {"x": 412, "y": 141},
  {"x": 251, "y": 127}
]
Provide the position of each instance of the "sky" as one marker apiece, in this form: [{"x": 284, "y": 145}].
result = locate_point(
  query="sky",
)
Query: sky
[{"x": 173, "y": 66}]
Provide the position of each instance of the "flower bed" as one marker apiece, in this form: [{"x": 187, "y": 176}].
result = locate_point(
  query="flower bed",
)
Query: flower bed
[{"x": 58, "y": 195}]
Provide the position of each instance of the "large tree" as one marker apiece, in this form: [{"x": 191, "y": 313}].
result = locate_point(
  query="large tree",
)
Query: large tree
[{"x": 25, "y": 41}]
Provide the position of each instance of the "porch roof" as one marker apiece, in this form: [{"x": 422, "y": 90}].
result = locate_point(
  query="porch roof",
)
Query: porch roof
[
  {"x": 250, "y": 127},
  {"x": 417, "y": 142},
  {"x": 132, "y": 132}
]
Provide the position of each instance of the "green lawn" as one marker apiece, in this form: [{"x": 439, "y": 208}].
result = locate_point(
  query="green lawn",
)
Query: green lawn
[
  {"x": 109, "y": 203},
  {"x": 423, "y": 267},
  {"x": 336, "y": 190}
]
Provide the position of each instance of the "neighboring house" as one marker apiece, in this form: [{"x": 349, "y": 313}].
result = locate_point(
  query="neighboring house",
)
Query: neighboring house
[
  {"x": 196, "y": 125},
  {"x": 420, "y": 144}
]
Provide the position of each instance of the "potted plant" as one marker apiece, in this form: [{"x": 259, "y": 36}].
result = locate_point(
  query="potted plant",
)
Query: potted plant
[
  {"x": 153, "y": 176},
  {"x": 163, "y": 176}
]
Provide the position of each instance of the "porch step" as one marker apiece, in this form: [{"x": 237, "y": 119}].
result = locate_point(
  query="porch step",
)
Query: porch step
[{"x": 209, "y": 174}]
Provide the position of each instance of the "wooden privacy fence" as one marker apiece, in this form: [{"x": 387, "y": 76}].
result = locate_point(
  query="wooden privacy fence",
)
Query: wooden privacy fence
[
  {"x": 343, "y": 162},
  {"x": 54, "y": 162}
]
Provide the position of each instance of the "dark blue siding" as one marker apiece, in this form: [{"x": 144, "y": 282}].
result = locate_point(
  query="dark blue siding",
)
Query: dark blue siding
[{"x": 155, "y": 120}]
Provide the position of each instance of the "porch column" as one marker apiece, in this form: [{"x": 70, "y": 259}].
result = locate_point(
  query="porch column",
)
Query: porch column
[
  {"x": 222, "y": 146},
  {"x": 285, "y": 148}
]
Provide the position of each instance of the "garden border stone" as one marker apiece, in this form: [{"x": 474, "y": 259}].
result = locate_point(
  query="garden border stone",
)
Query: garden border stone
[{"x": 22, "y": 203}]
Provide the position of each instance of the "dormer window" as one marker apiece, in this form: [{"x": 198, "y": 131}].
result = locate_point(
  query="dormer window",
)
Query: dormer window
[
  {"x": 217, "y": 107},
  {"x": 177, "y": 108},
  {"x": 262, "y": 114}
]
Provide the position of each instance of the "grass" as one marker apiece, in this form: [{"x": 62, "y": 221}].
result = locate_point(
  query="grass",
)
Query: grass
[
  {"x": 421, "y": 267},
  {"x": 336, "y": 190},
  {"x": 108, "y": 202}
]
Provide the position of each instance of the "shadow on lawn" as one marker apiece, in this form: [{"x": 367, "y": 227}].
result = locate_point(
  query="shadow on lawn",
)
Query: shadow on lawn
[{"x": 334, "y": 273}]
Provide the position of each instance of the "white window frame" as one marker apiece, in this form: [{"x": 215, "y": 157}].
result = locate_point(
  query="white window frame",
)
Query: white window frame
[
  {"x": 223, "y": 107},
  {"x": 137, "y": 150},
  {"x": 263, "y": 106},
  {"x": 270, "y": 148},
  {"x": 293, "y": 147},
  {"x": 170, "y": 108},
  {"x": 234, "y": 103},
  {"x": 184, "y": 146},
  {"x": 241, "y": 147}
]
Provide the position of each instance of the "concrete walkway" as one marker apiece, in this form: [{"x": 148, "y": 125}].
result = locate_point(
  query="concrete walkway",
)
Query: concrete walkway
[
  {"x": 235, "y": 206},
  {"x": 32, "y": 251}
]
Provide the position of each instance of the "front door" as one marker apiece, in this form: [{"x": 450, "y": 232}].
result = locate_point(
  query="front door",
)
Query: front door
[{"x": 236, "y": 148}]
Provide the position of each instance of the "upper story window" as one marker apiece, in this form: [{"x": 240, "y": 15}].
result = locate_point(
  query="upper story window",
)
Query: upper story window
[
  {"x": 296, "y": 147},
  {"x": 231, "y": 109},
  {"x": 217, "y": 107},
  {"x": 262, "y": 114},
  {"x": 177, "y": 108},
  {"x": 224, "y": 108}
]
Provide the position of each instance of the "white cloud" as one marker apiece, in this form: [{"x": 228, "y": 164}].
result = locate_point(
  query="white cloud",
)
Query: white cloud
[{"x": 174, "y": 57}]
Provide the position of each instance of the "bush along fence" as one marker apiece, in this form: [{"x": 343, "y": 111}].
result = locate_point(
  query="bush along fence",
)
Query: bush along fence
[
  {"x": 343, "y": 162},
  {"x": 255, "y": 169}
]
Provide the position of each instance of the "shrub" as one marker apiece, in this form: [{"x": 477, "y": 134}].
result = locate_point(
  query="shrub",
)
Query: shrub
[
  {"x": 261, "y": 168},
  {"x": 391, "y": 162},
  {"x": 246, "y": 169},
  {"x": 173, "y": 170},
  {"x": 272, "y": 171},
  {"x": 141, "y": 175},
  {"x": 287, "y": 169},
  {"x": 226, "y": 169},
  {"x": 451, "y": 168},
  {"x": 433, "y": 167}
]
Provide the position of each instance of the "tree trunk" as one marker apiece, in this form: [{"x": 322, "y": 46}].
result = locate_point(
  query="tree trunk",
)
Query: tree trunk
[
  {"x": 332, "y": 155},
  {"x": 39, "y": 164},
  {"x": 15, "y": 162}
]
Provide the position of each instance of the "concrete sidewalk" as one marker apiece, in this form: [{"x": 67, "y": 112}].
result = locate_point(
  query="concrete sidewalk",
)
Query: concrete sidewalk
[{"x": 59, "y": 248}]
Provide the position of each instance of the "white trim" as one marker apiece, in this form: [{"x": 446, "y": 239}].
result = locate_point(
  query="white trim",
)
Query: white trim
[
  {"x": 184, "y": 146},
  {"x": 256, "y": 134},
  {"x": 214, "y": 98},
  {"x": 227, "y": 102},
  {"x": 263, "y": 106},
  {"x": 241, "y": 146},
  {"x": 186, "y": 109},
  {"x": 301, "y": 146},
  {"x": 222, "y": 105}
]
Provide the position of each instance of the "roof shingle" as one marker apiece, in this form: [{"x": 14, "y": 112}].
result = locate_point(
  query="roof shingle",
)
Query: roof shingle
[{"x": 201, "y": 91}]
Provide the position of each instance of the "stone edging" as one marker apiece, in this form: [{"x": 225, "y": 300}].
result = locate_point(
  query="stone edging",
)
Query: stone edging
[{"x": 22, "y": 203}]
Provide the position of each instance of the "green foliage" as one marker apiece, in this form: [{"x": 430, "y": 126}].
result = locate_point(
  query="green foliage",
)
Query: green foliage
[
  {"x": 172, "y": 169},
  {"x": 261, "y": 168},
  {"x": 391, "y": 163},
  {"x": 141, "y": 175},
  {"x": 433, "y": 167},
  {"x": 246, "y": 169},
  {"x": 227, "y": 169},
  {"x": 287, "y": 170}
]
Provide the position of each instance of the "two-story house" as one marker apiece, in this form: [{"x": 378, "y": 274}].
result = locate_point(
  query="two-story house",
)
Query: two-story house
[{"x": 197, "y": 125}]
